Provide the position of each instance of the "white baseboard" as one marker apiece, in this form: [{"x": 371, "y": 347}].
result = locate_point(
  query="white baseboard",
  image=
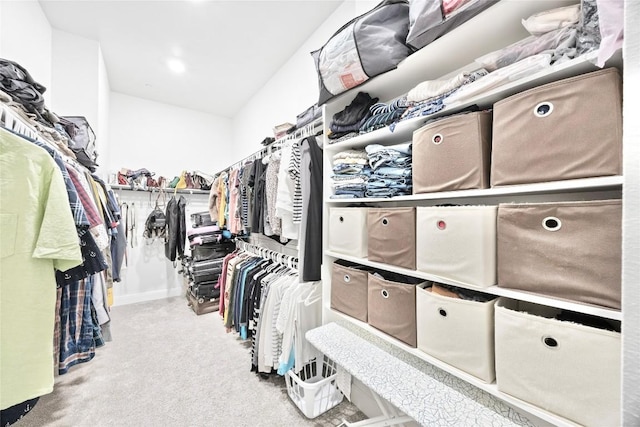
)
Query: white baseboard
[{"x": 147, "y": 296}]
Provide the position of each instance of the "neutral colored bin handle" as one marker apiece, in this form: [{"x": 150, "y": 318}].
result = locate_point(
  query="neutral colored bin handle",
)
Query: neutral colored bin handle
[
  {"x": 551, "y": 223},
  {"x": 437, "y": 139},
  {"x": 384, "y": 293},
  {"x": 543, "y": 109},
  {"x": 385, "y": 221},
  {"x": 442, "y": 312},
  {"x": 550, "y": 342},
  {"x": 347, "y": 278}
]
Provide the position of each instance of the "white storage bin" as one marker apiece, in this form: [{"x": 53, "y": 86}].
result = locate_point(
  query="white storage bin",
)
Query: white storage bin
[
  {"x": 564, "y": 367},
  {"x": 314, "y": 390},
  {"x": 348, "y": 231},
  {"x": 457, "y": 331},
  {"x": 457, "y": 243}
]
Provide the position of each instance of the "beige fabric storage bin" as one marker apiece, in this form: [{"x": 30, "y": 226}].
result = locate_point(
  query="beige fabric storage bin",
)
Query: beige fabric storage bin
[
  {"x": 392, "y": 305},
  {"x": 568, "y": 250},
  {"x": 564, "y": 367},
  {"x": 567, "y": 129},
  {"x": 348, "y": 231},
  {"x": 452, "y": 153},
  {"x": 392, "y": 236},
  {"x": 349, "y": 289},
  {"x": 457, "y": 331},
  {"x": 457, "y": 243}
]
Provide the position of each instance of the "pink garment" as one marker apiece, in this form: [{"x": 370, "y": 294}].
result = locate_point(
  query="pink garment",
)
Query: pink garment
[
  {"x": 450, "y": 6},
  {"x": 235, "y": 222}
]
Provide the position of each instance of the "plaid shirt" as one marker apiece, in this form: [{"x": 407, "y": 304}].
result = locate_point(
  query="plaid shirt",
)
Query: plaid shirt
[
  {"x": 87, "y": 201},
  {"x": 79, "y": 214}
]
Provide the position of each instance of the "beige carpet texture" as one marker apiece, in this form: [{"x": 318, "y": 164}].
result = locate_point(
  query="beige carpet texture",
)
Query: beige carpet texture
[{"x": 167, "y": 366}]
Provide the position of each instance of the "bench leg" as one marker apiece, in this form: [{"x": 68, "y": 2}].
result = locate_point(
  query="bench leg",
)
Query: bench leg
[{"x": 390, "y": 416}]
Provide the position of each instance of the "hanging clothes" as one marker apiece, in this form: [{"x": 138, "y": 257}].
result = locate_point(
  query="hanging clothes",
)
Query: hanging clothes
[
  {"x": 38, "y": 236},
  {"x": 313, "y": 230},
  {"x": 176, "y": 228}
]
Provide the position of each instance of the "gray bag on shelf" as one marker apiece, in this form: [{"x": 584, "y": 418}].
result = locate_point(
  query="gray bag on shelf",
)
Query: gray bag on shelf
[
  {"x": 429, "y": 19},
  {"x": 364, "y": 47}
]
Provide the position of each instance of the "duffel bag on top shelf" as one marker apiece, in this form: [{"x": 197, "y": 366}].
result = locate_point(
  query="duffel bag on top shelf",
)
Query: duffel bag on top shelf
[
  {"x": 430, "y": 20},
  {"x": 364, "y": 47}
]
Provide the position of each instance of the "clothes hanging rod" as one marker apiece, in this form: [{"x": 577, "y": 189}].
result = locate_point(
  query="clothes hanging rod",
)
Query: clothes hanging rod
[
  {"x": 278, "y": 257},
  {"x": 307, "y": 130}
]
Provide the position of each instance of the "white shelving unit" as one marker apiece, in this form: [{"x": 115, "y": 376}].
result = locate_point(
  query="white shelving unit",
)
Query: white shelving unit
[{"x": 495, "y": 28}]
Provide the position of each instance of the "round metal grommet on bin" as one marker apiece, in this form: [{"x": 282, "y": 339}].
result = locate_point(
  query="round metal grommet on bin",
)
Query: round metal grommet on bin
[
  {"x": 551, "y": 223},
  {"x": 441, "y": 224},
  {"x": 550, "y": 342},
  {"x": 347, "y": 278},
  {"x": 437, "y": 139},
  {"x": 543, "y": 109},
  {"x": 384, "y": 293},
  {"x": 385, "y": 221}
]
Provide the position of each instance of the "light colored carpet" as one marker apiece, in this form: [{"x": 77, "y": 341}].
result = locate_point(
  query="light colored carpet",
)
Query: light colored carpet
[{"x": 169, "y": 367}]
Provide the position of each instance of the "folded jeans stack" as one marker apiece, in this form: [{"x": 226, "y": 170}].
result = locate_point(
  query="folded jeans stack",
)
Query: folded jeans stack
[
  {"x": 391, "y": 170},
  {"x": 351, "y": 173},
  {"x": 351, "y": 119}
]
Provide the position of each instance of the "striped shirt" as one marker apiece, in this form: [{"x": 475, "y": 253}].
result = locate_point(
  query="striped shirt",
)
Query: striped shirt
[{"x": 294, "y": 173}]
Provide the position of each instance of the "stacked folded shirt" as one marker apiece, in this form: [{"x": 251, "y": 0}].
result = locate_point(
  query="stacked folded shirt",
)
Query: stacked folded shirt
[
  {"x": 390, "y": 170},
  {"x": 384, "y": 114},
  {"x": 429, "y": 96},
  {"x": 350, "y": 174},
  {"x": 352, "y": 118}
]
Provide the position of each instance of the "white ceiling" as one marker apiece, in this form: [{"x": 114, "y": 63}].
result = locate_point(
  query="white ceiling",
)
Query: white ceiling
[{"x": 230, "y": 48}]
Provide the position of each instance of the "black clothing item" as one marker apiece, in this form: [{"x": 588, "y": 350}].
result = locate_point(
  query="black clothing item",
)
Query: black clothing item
[
  {"x": 313, "y": 236},
  {"x": 355, "y": 111},
  {"x": 176, "y": 229},
  {"x": 118, "y": 249},
  {"x": 257, "y": 170},
  {"x": 15, "y": 413},
  {"x": 92, "y": 260}
]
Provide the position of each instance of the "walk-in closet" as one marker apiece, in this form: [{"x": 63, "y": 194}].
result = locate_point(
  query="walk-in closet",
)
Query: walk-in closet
[{"x": 319, "y": 213}]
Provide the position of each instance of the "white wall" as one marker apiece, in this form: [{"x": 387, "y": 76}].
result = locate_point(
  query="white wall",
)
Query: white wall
[
  {"x": 149, "y": 274},
  {"x": 166, "y": 139},
  {"x": 293, "y": 88},
  {"x": 75, "y": 68},
  {"x": 104, "y": 100},
  {"x": 25, "y": 38}
]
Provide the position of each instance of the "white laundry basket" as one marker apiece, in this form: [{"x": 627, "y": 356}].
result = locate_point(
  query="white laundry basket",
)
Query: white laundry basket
[{"x": 314, "y": 390}]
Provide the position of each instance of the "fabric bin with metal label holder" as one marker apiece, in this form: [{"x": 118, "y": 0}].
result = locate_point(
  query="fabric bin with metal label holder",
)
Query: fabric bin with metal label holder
[
  {"x": 392, "y": 305},
  {"x": 392, "y": 236},
  {"x": 568, "y": 367},
  {"x": 457, "y": 330},
  {"x": 453, "y": 153},
  {"x": 348, "y": 231},
  {"x": 567, "y": 250},
  {"x": 457, "y": 243},
  {"x": 567, "y": 129},
  {"x": 349, "y": 289}
]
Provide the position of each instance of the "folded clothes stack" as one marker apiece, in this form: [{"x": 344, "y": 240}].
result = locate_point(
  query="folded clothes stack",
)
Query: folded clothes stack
[
  {"x": 429, "y": 96},
  {"x": 384, "y": 114},
  {"x": 350, "y": 174},
  {"x": 391, "y": 170},
  {"x": 347, "y": 123}
]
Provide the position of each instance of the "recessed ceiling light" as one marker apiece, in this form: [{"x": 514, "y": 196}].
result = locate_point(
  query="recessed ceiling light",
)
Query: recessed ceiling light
[{"x": 176, "y": 65}]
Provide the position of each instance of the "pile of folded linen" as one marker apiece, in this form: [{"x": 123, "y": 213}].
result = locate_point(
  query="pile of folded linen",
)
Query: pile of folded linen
[
  {"x": 350, "y": 174},
  {"x": 390, "y": 170}
]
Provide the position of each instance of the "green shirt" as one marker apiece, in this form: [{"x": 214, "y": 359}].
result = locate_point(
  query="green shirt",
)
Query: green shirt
[{"x": 37, "y": 235}]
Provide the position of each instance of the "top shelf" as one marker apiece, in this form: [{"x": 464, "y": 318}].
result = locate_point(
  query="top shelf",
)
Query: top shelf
[
  {"x": 153, "y": 190},
  {"x": 403, "y": 131}
]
